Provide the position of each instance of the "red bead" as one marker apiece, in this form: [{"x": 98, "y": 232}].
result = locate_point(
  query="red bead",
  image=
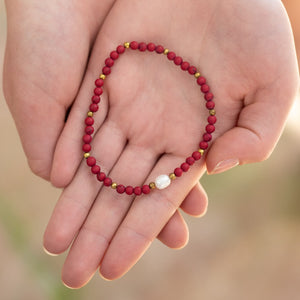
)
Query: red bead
[
  {"x": 109, "y": 62},
  {"x": 87, "y": 138},
  {"x": 101, "y": 176},
  {"x": 89, "y": 121},
  {"x": 120, "y": 188},
  {"x": 96, "y": 99},
  {"x": 207, "y": 137},
  {"x": 99, "y": 82},
  {"x": 89, "y": 129},
  {"x": 185, "y": 65},
  {"x": 134, "y": 45},
  {"x": 106, "y": 70},
  {"x": 196, "y": 155},
  {"x": 204, "y": 88},
  {"x": 151, "y": 47},
  {"x": 212, "y": 119},
  {"x": 137, "y": 190},
  {"x": 93, "y": 107},
  {"x": 210, "y": 128},
  {"x": 201, "y": 80},
  {"x": 114, "y": 55},
  {"x": 142, "y": 46},
  {"x": 86, "y": 147},
  {"x": 146, "y": 189},
  {"x": 177, "y": 60},
  {"x": 210, "y": 105},
  {"x": 171, "y": 55},
  {"x": 95, "y": 169},
  {"x": 159, "y": 49},
  {"x": 203, "y": 145},
  {"x": 178, "y": 172},
  {"x": 107, "y": 181},
  {"x": 190, "y": 160},
  {"x": 120, "y": 49},
  {"x": 185, "y": 167},
  {"x": 129, "y": 190},
  {"x": 208, "y": 96},
  {"x": 192, "y": 70},
  {"x": 91, "y": 161},
  {"x": 98, "y": 91}
]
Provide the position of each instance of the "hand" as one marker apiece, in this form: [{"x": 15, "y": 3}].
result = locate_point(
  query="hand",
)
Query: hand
[
  {"x": 47, "y": 51},
  {"x": 148, "y": 122}
]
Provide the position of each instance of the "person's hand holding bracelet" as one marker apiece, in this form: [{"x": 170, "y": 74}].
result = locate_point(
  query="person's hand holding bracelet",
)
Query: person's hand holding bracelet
[{"x": 150, "y": 120}]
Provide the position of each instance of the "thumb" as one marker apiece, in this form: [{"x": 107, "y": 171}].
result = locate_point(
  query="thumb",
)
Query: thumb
[{"x": 257, "y": 130}]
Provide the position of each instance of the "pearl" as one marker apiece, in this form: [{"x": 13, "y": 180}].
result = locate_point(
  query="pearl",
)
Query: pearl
[{"x": 162, "y": 181}]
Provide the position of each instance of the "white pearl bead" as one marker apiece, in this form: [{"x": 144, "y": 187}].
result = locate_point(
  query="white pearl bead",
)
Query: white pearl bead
[{"x": 162, "y": 181}]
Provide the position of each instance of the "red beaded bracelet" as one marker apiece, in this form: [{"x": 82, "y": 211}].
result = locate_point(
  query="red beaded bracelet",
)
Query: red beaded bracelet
[{"x": 162, "y": 181}]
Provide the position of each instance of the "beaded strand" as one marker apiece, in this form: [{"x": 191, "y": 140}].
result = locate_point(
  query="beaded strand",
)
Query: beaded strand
[{"x": 162, "y": 181}]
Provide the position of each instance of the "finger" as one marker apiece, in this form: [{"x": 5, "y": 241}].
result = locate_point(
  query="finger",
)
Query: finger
[
  {"x": 76, "y": 200},
  {"x": 195, "y": 204},
  {"x": 146, "y": 218},
  {"x": 67, "y": 149},
  {"x": 175, "y": 233},
  {"x": 108, "y": 211},
  {"x": 257, "y": 130},
  {"x": 68, "y": 152}
]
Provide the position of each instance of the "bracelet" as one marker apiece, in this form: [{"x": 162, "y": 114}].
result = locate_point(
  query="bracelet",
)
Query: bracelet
[{"x": 162, "y": 181}]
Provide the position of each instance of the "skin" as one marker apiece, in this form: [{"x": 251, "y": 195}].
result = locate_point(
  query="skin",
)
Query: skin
[
  {"x": 148, "y": 123},
  {"x": 40, "y": 99}
]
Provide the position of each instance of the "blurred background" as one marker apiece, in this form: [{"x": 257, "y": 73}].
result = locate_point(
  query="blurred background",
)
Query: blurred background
[{"x": 246, "y": 247}]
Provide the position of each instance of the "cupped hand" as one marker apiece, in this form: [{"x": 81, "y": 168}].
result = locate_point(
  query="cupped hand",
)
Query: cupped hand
[
  {"x": 48, "y": 45},
  {"x": 47, "y": 50}
]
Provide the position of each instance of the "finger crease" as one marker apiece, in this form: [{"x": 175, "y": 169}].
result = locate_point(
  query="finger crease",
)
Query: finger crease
[{"x": 96, "y": 233}]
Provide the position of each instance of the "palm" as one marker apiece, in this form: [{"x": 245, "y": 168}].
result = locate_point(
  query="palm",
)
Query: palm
[
  {"x": 159, "y": 102},
  {"x": 155, "y": 119}
]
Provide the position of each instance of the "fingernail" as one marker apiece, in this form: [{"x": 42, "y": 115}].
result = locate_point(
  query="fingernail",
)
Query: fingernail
[
  {"x": 225, "y": 165},
  {"x": 49, "y": 253}
]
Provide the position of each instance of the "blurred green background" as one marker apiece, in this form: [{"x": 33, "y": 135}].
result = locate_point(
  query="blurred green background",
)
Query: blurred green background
[{"x": 246, "y": 247}]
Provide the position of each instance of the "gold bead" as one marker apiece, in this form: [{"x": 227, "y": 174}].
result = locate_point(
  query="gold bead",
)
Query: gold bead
[
  {"x": 86, "y": 155},
  {"x": 166, "y": 51},
  {"x": 201, "y": 151},
  {"x": 114, "y": 185},
  {"x": 212, "y": 112},
  {"x": 126, "y": 45},
  {"x": 172, "y": 176},
  {"x": 197, "y": 74},
  {"x": 102, "y": 76},
  {"x": 90, "y": 114},
  {"x": 152, "y": 185}
]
